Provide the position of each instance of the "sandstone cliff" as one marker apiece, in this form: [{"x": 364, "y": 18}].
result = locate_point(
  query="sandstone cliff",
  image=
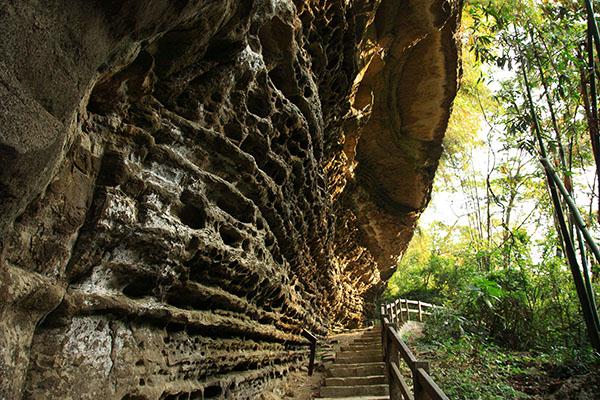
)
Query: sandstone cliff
[{"x": 185, "y": 185}]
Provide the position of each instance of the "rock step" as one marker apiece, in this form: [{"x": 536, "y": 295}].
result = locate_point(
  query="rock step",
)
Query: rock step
[
  {"x": 356, "y": 358},
  {"x": 374, "y": 345},
  {"x": 357, "y": 398},
  {"x": 367, "y": 342},
  {"x": 345, "y": 391},
  {"x": 356, "y": 381},
  {"x": 372, "y": 333},
  {"x": 356, "y": 370},
  {"x": 361, "y": 348},
  {"x": 377, "y": 345},
  {"x": 355, "y": 352},
  {"x": 369, "y": 335},
  {"x": 364, "y": 350},
  {"x": 374, "y": 339}
]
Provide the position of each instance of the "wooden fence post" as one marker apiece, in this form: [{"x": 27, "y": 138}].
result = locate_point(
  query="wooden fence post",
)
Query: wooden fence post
[
  {"x": 401, "y": 309},
  {"x": 407, "y": 310},
  {"x": 387, "y": 353},
  {"x": 313, "y": 350},
  {"x": 394, "y": 358},
  {"x": 383, "y": 332},
  {"x": 419, "y": 390},
  {"x": 400, "y": 312},
  {"x": 420, "y": 311}
]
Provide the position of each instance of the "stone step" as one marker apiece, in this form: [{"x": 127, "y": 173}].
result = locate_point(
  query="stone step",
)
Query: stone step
[
  {"x": 357, "y": 398},
  {"x": 369, "y": 341},
  {"x": 346, "y": 391},
  {"x": 355, "y": 370},
  {"x": 365, "y": 344},
  {"x": 356, "y": 358},
  {"x": 374, "y": 339},
  {"x": 361, "y": 348},
  {"x": 356, "y": 381},
  {"x": 368, "y": 338},
  {"x": 362, "y": 352},
  {"x": 371, "y": 333},
  {"x": 373, "y": 345}
]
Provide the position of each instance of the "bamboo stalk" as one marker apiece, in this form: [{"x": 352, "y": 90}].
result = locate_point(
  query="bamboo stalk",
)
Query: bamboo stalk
[
  {"x": 573, "y": 208},
  {"x": 593, "y": 25},
  {"x": 582, "y": 293}
]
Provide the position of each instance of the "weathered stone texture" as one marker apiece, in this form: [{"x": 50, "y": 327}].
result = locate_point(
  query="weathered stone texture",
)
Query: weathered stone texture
[{"x": 186, "y": 185}]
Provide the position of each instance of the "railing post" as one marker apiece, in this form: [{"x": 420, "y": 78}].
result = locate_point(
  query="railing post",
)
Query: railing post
[
  {"x": 400, "y": 316},
  {"x": 420, "y": 311},
  {"x": 388, "y": 349},
  {"x": 393, "y": 358},
  {"x": 383, "y": 332},
  {"x": 407, "y": 310},
  {"x": 400, "y": 304},
  {"x": 311, "y": 362},
  {"x": 419, "y": 391},
  {"x": 313, "y": 350}
]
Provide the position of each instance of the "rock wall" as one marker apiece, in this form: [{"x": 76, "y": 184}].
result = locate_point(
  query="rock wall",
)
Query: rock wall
[{"x": 185, "y": 185}]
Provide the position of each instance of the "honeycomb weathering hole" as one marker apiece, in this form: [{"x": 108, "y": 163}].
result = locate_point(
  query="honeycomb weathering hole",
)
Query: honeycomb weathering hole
[{"x": 193, "y": 216}]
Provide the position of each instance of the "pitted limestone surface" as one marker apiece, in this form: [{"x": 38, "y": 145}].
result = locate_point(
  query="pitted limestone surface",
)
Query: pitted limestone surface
[{"x": 184, "y": 186}]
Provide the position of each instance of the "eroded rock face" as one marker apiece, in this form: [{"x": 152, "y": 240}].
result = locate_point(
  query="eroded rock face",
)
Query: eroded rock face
[{"x": 186, "y": 185}]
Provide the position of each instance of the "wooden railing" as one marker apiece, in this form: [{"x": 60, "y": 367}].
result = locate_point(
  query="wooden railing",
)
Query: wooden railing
[
  {"x": 395, "y": 350},
  {"x": 400, "y": 309},
  {"x": 313, "y": 350}
]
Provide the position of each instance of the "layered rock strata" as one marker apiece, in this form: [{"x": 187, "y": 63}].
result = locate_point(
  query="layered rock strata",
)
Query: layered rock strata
[{"x": 186, "y": 185}]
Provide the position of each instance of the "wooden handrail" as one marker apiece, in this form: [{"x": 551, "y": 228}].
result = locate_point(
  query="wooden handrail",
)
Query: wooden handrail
[
  {"x": 431, "y": 388},
  {"x": 404, "y": 388},
  {"x": 403, "y": 308},
  {"x": 313, "y": 350},
  {"x": 395, "y": 349}
]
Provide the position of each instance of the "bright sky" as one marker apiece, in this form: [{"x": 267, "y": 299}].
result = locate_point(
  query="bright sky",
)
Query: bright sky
[
  {"x": 452, "y": 208},
  {"x": 447, "y": 207}
]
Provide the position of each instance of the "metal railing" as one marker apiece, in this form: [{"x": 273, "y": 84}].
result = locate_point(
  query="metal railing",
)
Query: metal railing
[{"x": 395, "y": 350}]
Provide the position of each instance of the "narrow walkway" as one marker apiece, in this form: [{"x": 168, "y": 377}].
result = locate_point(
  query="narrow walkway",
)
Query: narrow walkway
[{"x": 358, "y": 371}]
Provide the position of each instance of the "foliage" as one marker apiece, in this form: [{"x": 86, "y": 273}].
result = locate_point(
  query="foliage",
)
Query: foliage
[
  {"x": 501, "y": 267},
  {"x": 466, "y": 367},
  {"x": 518, "y": 304}
]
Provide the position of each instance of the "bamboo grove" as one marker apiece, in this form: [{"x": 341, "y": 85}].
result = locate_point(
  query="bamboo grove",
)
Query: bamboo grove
[{"x": 531, "y": 75}]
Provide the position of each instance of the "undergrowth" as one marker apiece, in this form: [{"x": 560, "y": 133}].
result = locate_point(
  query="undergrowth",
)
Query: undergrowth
[{"x": 472, "y": 367}]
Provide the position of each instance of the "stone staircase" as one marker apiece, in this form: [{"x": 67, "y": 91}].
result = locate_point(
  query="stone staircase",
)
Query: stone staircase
[{"x": 358, "y": 371}]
